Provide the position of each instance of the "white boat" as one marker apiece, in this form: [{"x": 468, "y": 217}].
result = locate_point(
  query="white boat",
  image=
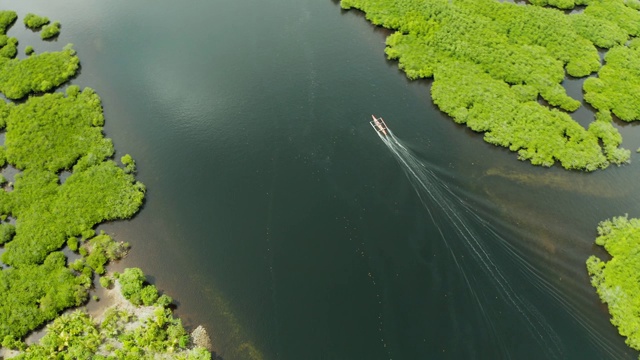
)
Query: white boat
[{"x": 379, "y": 125}]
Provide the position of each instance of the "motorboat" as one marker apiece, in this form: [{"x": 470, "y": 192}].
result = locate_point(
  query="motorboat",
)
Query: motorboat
[{"x": 379, "y": 125}]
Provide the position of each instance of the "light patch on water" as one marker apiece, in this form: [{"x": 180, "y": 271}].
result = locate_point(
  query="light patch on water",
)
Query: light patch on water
[
  {"x": 577, "y": 184},
  {"x": 228, "y": 329}
]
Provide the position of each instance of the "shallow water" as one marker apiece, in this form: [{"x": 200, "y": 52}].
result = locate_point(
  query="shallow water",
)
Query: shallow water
[{"x": 278, "y": 219}]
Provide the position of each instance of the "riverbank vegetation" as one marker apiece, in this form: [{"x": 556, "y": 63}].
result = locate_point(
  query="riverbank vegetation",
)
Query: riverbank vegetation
[
  {"x": 617, "y": 280},
  {"x": 45, "y": 134},
  {"x": 498, "y": 68},
  {"x": 122, "y": 332}
]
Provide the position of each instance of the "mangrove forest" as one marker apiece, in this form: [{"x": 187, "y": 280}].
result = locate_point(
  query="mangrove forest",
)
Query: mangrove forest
[
  {"x": 46, "y": 133},
  {"x": 498, "y": 68}
]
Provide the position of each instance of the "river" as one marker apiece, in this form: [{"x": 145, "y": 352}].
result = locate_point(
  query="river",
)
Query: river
[{"x": 279, "y": 220}]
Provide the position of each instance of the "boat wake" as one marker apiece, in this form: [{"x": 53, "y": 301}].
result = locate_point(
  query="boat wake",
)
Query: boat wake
[{"x": 442, "y": 204}]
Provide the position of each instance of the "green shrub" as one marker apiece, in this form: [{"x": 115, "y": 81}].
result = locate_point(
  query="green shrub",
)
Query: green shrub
[
  {"x": 106, "y": 282},
  {"x": 617, "y": 84},
  {"x": 129, "y": 163},
  {"x": 12, "y": 343},
  {"x": 9, "y": 48},
  {"x": 164, "y": 300},
  {"x": 50, "y": 31},
  {"x": 35, "y": 22},
  {"x": 149, "y": 295},
  {"x": 102, "y": 249},
  {"x": 7, "y": 18},
  {"x": 72, "y": 243},
  {"x": 88, "y": 234},
  {"x": 28, "y": 50},
  {"x": 52, "y": 287},
  {"x": 131, "y": 284},
  {"x": 78, "y": 265},
  {"x": 7, "y": 231}
]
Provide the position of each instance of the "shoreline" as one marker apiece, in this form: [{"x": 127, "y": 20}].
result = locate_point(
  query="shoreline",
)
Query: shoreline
[
  {"x": 139, "y": 316},
  {"x": 62, "y": 189}
]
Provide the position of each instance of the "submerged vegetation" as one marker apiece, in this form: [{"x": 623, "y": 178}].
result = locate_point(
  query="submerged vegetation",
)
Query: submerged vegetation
[
  {"x": 617, "y": 281},
  {"x": 493, "y": 62},
  {"x": 45, "y": 134}
]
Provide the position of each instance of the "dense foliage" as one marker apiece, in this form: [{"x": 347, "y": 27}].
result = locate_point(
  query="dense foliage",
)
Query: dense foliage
[
  {"x": 52, "y": 132},
  {"x": 618, "y": 280},
  {"x": 129, "y": 164},
  {"x": 120, "y": 335},
  {"x": 623, "y": 13},
  {"x": 37, "y": 73},
  {"x": 7, "y": 18},
  {"x": 49, "y": 213},
  {"x": 50, "y": 31},
  {"x": 34, "y": 22},
  {"x": 97, "y": 252},
  {"x": 8, "y": 45},
  {"x": 44, "y": 135},
  {"x": 135, "y": 289},
  {"x": 618, "y": 83},
  {"x": 491, "y": 61},
  {"x": 33, "y": 294},
  {"x": 6, "y": 232}
]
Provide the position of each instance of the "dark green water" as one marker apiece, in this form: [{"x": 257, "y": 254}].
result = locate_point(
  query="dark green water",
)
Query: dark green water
[{"x": 277, "y": 218}]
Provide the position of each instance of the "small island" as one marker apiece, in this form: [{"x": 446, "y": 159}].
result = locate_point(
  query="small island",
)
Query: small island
[{"x": 35, "y": 22}]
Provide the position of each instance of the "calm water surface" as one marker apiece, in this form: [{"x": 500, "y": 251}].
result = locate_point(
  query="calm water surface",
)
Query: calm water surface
[{"x": 277, "y": 218}]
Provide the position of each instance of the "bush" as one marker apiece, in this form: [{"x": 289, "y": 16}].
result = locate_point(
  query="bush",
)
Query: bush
[
  {"x": 28, "y": 50},
  {"x": 7, "y": 18},
  {"x": 102, "y": 249},
  {"x": 7, "y": 231},
  {"x": 35, "y": 22},
  {"x": 617, "y": 84},
  {"x": 131, "y": 284},
  {"x": 9, "y": 48},
  {"x": 72, "y": 243},
  {"x": 50, "y": 31},
  {"x": 106, "y": 282},
  {"x": 129, "y": 163},
  {"x": 149, "y": 295},
  {"x": 164, "y": 300}
]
